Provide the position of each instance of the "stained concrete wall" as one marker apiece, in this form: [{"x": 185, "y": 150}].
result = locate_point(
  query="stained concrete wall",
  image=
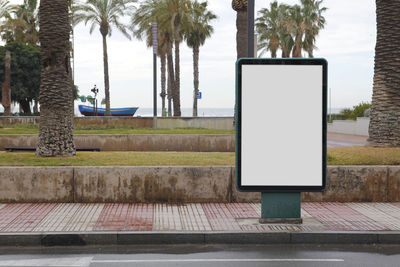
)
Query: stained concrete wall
[
  {"x": 139, "y": 142},
  {"x": 180, "y": 184},
  {"x": 222, "y": 123},
  {"x": 36, "y": 184}
]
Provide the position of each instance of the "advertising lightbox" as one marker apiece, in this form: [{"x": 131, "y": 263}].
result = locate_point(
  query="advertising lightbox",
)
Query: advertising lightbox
[{"x": 281, "y": 112}]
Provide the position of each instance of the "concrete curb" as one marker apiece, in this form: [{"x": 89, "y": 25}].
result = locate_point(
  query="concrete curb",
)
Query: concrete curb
[{"x": 139, "y": 238}]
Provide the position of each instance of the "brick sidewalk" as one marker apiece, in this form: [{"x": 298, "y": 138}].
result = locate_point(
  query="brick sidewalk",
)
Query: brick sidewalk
[{"x": 236, "y": 217}]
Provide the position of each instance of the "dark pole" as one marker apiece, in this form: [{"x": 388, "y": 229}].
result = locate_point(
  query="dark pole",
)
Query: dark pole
[
  {"x": 250, "y": 28},
  {"x": 155, "y": 46}
]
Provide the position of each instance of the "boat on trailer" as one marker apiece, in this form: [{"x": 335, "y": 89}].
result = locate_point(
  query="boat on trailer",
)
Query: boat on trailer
[{"x": 91, "y": 111}]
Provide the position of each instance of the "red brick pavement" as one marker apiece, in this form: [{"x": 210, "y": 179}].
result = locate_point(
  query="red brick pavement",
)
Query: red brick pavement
[{"x": 214, "y": 216}]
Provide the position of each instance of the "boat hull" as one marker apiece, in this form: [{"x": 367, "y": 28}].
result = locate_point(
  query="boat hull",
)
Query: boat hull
[{"x": 118, "y": 112}]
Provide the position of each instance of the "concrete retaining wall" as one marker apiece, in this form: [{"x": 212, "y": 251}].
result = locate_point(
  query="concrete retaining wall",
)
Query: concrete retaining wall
[
  {"x": 221, "y": 123},
  {"x": 358, "y": 127},
  {"x": 180, "y": 184},
  {"x": 139, "y": 142}
]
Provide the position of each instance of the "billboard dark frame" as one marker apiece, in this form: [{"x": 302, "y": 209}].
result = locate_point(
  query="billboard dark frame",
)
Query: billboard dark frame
[{"x": 238, "y": 123}]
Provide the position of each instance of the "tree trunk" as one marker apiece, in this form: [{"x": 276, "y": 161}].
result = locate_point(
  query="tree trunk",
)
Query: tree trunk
[
  {"x": 241, "y": 35},
  {"x": 25, "y": 106},
  {"x": 56, "y": 120},
  {"x": 106, "y": 76},
  {"x": 196, "y": 51},
  {"x": 6, "y": 88},
  {"x": 163, "y": 78},
  {"x": 176, "y": 92},
  {"x": 310, "y": 52},
  {"x": 384, "y": 128},
  {"x": 297, "y": 47},
  {"x": 171, "y": 76}
]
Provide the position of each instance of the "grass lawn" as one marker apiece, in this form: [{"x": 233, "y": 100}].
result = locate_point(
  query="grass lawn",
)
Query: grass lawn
[
  {"x": 34, "y": 129},
  {"x": 121, "y": 159},
  {"x": 336, "y": 156},
  {"x": 359, "y": 155}
]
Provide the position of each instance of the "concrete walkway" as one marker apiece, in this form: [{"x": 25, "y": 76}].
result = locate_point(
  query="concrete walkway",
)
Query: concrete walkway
[
  {"x": 338, "y": 140},
  {"x": 214, "y": 217}
]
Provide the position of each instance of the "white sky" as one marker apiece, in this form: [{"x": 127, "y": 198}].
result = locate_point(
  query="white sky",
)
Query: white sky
[{"x": 347, "y": 42}]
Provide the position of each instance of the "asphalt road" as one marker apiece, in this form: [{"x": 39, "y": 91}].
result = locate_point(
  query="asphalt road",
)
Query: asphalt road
[{"x": 202, "y": 255}]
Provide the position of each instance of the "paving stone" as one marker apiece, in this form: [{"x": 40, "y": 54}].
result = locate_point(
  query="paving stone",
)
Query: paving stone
[
  {"x": 58, "y": 218},
  {"x": 383, "y": 213},
  {"x": 220, "y": 217},
  {"x": 140, "y": 217},
  {"x": 167, "y": 218},
  {"x": 193, "y": 218},
  {"x": 30, "y": 218},
  {"x": 339, "y": 217},
  {"x": 257, "y": 208},
  {"x": 85, "y": 218},
  {"x": 126, "y": 217},
  {"x": 9, "y": 213}
]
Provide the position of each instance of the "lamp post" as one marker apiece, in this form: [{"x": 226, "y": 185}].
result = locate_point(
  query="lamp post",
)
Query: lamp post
[
  {"x": 155, "y": 46},
  {"x": 95, "y": 91}
]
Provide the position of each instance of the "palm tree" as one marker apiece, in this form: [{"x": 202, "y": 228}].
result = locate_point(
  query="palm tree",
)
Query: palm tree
[
  {"x": 21, "y": 24},
  {"x": 4, "y": 8},
  {"x": 175, "y": 14},
  {"x": 384, "y": 128},
  {"x": 141, "y": 23},
  {"x": 296, "y": 27},
  {"x": 240, "y": 6},
  {"x": 105, "y": 14},
  {"x": 56, "y": 120},
  {"x": 268, "y": 29},
  {"x": 196, "y": 35},
  {"x": 314, "y": 22}
]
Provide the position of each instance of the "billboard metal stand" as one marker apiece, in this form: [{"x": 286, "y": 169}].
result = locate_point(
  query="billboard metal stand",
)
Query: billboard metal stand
[{"x": 281, "y": 207}]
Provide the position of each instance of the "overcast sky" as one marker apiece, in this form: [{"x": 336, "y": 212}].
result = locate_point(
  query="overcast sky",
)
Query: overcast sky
[{"x": 347, "y": 42}]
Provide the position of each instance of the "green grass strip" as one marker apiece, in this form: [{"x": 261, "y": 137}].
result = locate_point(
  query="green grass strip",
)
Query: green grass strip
[
  {"x": 359, "y": 155},
  {"x": 336, "y": 156},
  {"x": 121, "y": 159}
]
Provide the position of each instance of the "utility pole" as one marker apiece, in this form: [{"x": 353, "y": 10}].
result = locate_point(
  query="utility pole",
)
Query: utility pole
[
  {"x": 250, "y": 28},
  {"x": 155, "y": 47}
]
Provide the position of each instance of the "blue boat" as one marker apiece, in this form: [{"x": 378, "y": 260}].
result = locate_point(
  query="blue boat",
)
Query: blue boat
[{"x": 91, "y": 111}]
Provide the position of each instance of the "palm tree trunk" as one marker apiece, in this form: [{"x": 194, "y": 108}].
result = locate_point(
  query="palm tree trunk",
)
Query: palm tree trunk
[
  {"x": 196, "y": 51},
  {"x": 163, "y": 78},
  {"x": 241, "y": 35},
  {"x": 6, "y": 92},
  {"x": 56, "y": 120},
  {"x": 297, "y": 47},
  {"x": 171, "y": 76},
  {"x": 176, "y": 92},
  {"x": 384, "y": 128},
  {"x": 106, "y": 76}
]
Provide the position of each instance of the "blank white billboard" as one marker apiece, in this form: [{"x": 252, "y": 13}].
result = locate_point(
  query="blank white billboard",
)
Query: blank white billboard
[{"x": 281, "y": 122}]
